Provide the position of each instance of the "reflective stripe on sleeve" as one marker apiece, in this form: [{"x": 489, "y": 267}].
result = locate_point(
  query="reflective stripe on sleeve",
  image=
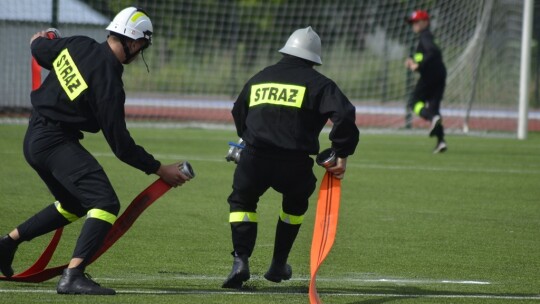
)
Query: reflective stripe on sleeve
[{"x": 418, "y": 57}]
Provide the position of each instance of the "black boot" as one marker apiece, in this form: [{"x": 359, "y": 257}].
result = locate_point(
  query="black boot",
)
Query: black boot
[
  {"x": 239, "y": 273},
  {"x": 75, "y": 281},
  {"x": 278, "y": 272},
  {"x": 285, "y": 235},
  {"x": 8, "y": 247}
]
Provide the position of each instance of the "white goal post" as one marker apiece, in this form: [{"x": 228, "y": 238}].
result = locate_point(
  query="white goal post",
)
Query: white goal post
[{"x": 525, "y": 67}]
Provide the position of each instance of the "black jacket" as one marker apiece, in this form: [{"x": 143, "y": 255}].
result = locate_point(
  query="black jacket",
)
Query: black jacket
[
  {"x": 84, "y": 91},
  {"x": 286, "y": 105},
  {"x": 429, "y": 57}
]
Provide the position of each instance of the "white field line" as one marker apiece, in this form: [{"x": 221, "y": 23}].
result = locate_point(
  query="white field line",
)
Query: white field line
[
  {"x": 326, "y": 129},
  {"x": 173, "y": 276},
  {"x": 179, "y": 157},
  {"x": 444, "y": 169},
  {"x": 285, "y": 292},
  {"x": 288, "y": 292},
  {"x": 360, "y": 108},
  {"x": 367, "y": 166}
]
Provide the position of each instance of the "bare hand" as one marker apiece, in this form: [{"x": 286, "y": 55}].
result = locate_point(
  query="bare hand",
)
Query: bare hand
[
  {"x": 411, "y": 65},
  {"x": 172, "y": 175},
  {"x": 339, "y": 169}
]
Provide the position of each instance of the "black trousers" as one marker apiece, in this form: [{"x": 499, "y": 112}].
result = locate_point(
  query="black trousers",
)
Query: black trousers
[
  {"x": 290, "y": 175},
  {"x": 257, "y": 171},
  {"x": 71, "y": 173},
  {"x": 75, "y": 179},
  {"x": 430, "y": 91}
]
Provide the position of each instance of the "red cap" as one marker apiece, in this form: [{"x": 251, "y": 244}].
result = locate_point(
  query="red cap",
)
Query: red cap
[{"x": 417, "y": 16}]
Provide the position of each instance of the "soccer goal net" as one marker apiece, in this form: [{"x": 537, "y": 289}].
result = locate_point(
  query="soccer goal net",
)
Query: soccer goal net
[{"x": 205, "y": 50}]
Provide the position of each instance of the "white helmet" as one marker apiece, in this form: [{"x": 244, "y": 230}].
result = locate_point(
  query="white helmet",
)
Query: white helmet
[
  {"x": 304, "y": 43},
  {"x": 133, "y": 23}
]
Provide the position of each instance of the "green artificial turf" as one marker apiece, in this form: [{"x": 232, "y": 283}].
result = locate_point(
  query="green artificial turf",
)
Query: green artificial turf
[{"x": 461, "y": 227}]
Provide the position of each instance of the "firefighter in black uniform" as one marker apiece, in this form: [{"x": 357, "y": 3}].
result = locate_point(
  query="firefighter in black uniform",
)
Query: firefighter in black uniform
[
  {"x": 279, "y": 115},
  {"x": 428, "y": 93},
  {"x": 83, "y": 92}
]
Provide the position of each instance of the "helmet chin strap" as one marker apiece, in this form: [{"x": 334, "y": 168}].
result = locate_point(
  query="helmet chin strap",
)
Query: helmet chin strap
[
  {"x": 128, "y": 53},
  {"x": 142, "y": 55},
  {"x": 126, "y": 50}
]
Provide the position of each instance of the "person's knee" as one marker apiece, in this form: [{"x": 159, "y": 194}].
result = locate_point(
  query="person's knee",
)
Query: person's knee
[
  {"x": 295, "y": 217},
  {"x": 243, "y": 201},
  {"x": 101, "y": 214},
  {"x": 423, "y": 109},
  {"x": 418, "y": 107},
  {"x": 69, "y": 212},
  {"x": 294, "y": 205},
  {"x": 112, "y": 206},
  {"x": 107, "y": 212}
]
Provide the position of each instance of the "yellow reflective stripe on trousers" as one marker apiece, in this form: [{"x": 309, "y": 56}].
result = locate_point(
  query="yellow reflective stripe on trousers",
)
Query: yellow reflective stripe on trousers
[
  {"x": 102, "y": 215},
  {"x": 68, "y": 215},
  {"x": 418, "y": 106},
  {"x": 242, "y": 216},
  {"x": 291, "y": 219},
  {"x": 418, "y": 57},
  {"x": 277, "y": 94}
]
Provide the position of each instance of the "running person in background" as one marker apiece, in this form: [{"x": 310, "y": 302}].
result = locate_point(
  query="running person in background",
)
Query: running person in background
[
  {"x": 428, "y": 93},
  {"x": 279, "y": 114},
  {"x": 83, "y": 92}
]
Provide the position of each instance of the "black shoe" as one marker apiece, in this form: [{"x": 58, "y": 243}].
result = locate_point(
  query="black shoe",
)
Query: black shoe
[
  {"x": 239, "y": 273},
  {"x": 435, "y": 125},
  {"x": 75, "y": 281},
  {"x": 440, "y": 147},
  {"x": 8, "y": 247},
  {"x": 278, "y": 272}
]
